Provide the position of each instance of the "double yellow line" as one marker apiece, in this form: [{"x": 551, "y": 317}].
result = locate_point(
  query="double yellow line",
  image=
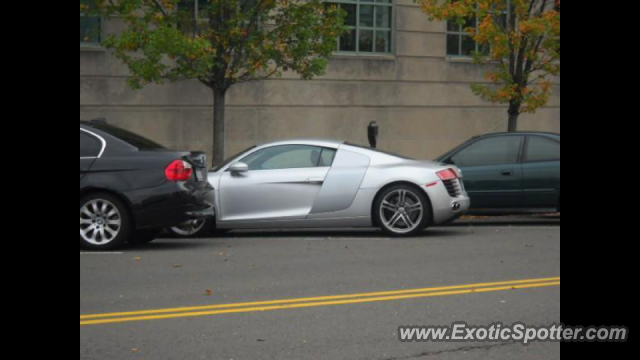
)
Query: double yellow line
[{"x": 198, "y": 311}]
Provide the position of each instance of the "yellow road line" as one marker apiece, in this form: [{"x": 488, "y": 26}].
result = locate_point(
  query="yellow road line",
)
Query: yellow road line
[
  {"x": 324, "y": 298},
  {"x": 287, "y": 305}
]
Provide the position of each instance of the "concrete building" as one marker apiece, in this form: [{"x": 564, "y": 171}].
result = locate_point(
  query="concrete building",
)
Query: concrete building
[{"x": 395, "y": 67}]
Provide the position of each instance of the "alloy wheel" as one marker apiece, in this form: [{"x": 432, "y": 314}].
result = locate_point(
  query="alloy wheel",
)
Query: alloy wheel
[
  {"x": 402, "y": 211},
  {"x": 100, "y": 222}
]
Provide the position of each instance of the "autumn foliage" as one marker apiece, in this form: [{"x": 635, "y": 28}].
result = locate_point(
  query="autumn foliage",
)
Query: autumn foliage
[{"x": 522, "y": 38}]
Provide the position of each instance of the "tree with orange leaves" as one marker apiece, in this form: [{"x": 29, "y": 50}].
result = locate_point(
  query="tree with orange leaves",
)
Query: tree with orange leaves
[{"x": 522, "y": 38}]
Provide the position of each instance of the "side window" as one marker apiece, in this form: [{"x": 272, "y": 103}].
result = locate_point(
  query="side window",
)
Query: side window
[
  {"x": 285, "y": 157},
  {"x": 89, "y": 146},
  {"x": 542, "y": 149},
  {"x": 327, "y": 157},
  {"x": 496, "y": 151}
]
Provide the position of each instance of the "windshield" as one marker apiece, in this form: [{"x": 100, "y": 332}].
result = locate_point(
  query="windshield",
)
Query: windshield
[
  {"x": 229, "y": 160},
  {"x": 130, "y": 138}
]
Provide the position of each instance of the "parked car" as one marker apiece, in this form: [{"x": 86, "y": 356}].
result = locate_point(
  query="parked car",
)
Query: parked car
[
  {"x": 510, "y": 173},
  {"x": 330, "y": 184},
  {"x": 131, "y": 188}
]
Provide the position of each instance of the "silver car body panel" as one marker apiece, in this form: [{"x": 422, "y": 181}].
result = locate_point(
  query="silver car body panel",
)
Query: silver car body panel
[
  {"x": 259, "y": 195},
  {"x": 340, "y": 196},
  {"x": 342, "y": 183}
]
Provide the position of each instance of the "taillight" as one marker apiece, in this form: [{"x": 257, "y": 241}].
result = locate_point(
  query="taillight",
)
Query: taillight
[
  {"x": 448, "y": 174},
  {"x": 179, "y": 170}
]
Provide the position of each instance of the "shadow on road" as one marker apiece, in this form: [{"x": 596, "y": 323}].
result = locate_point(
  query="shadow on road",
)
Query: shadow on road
[
  {"x": 165, "y": 243},
  {"x": 172, "y": 245},
  {"x": 330, "y": 234},
  {"x": 168, "y": 244},
  {"x": 160, "y": 245},
  {"x": 515, "y": 221}
]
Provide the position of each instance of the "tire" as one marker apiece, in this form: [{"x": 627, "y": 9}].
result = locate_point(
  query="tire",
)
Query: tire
[
  {"x": 192, "y": 229},
  {"x": 143, "y": 237},
  {"x": 402, "y": 211},
  {"x": 105, "y": 222}
]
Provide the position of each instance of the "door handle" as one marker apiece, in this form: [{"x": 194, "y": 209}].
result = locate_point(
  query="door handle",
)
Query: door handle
[
  {"x": 315, "y": 180},
  {"x": 508, "y": 173}
]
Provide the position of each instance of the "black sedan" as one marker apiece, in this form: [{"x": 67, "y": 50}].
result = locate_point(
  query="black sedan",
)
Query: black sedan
[
  {"x": 509, "y": 173},
  {"x": 131, "y": 188}
]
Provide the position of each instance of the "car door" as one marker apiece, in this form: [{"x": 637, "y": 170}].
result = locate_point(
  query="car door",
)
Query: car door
[
  {"x": 342, "y": 183},
  {"x": 90, "y": 148},
  {"x": 493, "y": 172},
  {"x": 541, "y": 166},
  {"x": 282, "y": 183}
]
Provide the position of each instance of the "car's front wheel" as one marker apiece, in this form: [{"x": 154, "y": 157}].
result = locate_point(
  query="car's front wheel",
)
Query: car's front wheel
[
  {"x": 105, "y": 223},
  {"x": 402, "y": 210},
  {"x": 191, "y": 229}
]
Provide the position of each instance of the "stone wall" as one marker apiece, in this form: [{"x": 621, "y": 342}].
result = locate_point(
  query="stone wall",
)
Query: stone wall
[{"x": 420, "y": 98}]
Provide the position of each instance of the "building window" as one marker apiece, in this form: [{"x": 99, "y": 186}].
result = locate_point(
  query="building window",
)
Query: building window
[
  {"x": 190, "y": 10},
  {"x": 90, "y": 26},
  {"x": 460, "y": 43},
  {"x": 369, "y": 26}
]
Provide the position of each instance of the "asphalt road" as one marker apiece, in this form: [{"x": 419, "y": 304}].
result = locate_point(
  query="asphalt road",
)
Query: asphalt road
[{"x": 273, "y": 275}]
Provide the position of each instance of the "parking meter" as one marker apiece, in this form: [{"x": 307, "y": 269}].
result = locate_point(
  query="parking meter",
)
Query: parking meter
[{"x": 373, "y": 131}]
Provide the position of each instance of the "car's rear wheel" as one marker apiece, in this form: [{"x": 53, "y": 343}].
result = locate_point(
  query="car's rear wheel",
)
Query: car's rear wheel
[
  {"x": 105, "y": 223},
  {"x": 402, "y": 210}
]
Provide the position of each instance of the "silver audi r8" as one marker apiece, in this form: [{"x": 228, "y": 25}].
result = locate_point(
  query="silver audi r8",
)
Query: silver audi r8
[{"x": 330, "y": 184}]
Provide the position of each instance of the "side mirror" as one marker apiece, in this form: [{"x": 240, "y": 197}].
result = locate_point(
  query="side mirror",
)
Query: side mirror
[{"x": 239, "y": 168}]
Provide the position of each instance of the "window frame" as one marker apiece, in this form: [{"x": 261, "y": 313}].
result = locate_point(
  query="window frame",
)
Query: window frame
[
  {"x": 195, "y": 13},
  {"x": 462, "y": 33},
  {"x": 321, "y": 148},
  {"x": 525, "y": 155},
  {"x": 99, "y": 35},
  {"x": 358, "y": 28},
  {"x": 460, "y": 36},
  {"x": 101, "y": 141},
  {"x": 519, "y": 158}
]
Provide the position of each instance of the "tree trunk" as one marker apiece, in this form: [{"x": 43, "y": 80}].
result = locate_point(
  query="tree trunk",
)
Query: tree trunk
[
  {"x": 514, "y": 114},
  {"x": 219, "y": 107}
]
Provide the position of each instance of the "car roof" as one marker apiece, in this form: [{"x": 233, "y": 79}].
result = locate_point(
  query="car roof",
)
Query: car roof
[
  {"x": 517, "y": 133},
  {"x": 312, "y": 142},
  {"x": 92, "y": 123}
]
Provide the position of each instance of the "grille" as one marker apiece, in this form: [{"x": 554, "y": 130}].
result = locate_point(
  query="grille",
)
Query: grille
[{"x": 453, "y": 187}]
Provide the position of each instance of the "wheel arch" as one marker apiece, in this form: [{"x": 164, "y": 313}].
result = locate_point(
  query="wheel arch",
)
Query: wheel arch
[{"x": 396, "y": 183}]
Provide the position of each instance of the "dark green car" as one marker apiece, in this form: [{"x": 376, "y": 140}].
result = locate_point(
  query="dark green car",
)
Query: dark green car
[{"x": 510, "y": 173}]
